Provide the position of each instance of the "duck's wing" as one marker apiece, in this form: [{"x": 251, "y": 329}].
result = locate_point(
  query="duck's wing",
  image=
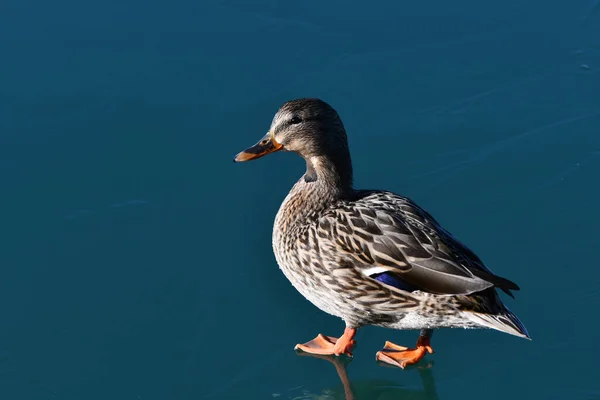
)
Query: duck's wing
[{"x": 391, "y": 235}]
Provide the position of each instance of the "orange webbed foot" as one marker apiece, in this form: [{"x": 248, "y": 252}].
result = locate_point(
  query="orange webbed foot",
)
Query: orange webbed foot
[
  {"x": 329, "y": 345},
  {"x": 400, "y": 356}
]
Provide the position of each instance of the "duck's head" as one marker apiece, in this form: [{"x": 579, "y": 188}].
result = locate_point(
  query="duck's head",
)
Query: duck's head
[
  {"x": 312, "y": 129},
  {"x": 309, "y": 127}
]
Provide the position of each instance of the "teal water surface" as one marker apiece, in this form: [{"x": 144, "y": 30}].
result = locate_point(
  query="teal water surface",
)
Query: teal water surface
[{"x": 136, "y": 257}]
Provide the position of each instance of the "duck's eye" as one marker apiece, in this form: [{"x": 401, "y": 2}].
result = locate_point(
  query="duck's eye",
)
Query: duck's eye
[{"x": 295, "y": 120}]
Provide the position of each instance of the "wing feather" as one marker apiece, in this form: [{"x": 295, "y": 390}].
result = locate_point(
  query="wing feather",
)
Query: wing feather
[{"x": 390, "y": 234}]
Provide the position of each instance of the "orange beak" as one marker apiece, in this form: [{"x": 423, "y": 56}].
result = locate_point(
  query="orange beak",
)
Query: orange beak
[{"x": 264, "y": 146}]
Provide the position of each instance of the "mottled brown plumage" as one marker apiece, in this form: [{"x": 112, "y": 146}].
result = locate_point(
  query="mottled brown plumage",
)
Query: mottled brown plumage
[{"x": 371, "y": 257}]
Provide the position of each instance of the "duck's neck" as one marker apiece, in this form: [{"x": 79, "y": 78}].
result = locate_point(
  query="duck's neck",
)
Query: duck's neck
[
  {"x": 329, "y": 179},
  {"x": 326, "y": 182}
]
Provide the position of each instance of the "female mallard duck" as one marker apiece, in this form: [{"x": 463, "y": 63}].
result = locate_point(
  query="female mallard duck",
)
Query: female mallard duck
[{"x": 371, "y": 257}]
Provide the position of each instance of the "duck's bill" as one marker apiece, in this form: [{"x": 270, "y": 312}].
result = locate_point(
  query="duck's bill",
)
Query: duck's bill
[{"x": 264, "y": 146}]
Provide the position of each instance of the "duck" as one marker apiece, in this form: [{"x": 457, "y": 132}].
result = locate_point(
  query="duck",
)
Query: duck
[{"x": 371, "y": 257}]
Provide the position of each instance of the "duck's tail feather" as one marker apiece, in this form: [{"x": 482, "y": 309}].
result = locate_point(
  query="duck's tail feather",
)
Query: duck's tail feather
[{"x": 504, "y": 321}]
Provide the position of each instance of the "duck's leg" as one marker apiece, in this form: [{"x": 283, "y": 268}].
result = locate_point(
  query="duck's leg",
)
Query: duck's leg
[
  {"x": 401, "y": 356},
  {"x": 328, "y": 345}
]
